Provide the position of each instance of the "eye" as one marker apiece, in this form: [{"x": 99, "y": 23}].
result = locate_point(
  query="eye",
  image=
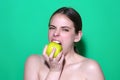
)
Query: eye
[
  {"x": 67, "y": 30},
  {"x": 51, "y": 27}
]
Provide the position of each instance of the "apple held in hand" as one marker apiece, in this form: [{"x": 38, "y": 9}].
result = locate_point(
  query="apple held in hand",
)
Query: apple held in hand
[{"x": 50, "y": 47}]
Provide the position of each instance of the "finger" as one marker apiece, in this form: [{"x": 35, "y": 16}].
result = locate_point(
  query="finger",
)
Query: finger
[
  {"x": 52, "y": 53},
  {"x": 62, "y": 59},
  {"x": 44, "y": 53},
  {"x": 59, "y": 56}
]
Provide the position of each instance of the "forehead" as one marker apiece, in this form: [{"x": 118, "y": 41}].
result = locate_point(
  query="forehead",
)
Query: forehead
[{"x": 61, "y": 20}]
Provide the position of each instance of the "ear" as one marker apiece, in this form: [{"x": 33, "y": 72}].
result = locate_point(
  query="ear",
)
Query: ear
[{"x": 78, "y": 36}]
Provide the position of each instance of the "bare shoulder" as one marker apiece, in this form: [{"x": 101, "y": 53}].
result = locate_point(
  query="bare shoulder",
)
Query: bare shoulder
[
  {"x": 32, "y": 66},
  {"x": 91, "y": 64},
  {"x": 92, "y": 70},
  {"x": 35, "y": 59}
]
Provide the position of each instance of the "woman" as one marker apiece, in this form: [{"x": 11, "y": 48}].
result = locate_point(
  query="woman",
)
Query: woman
[{"x": 65, "y": 27}]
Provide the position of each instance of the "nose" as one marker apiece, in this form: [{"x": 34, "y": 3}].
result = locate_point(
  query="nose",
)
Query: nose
[{"x": 57, "y": 33}]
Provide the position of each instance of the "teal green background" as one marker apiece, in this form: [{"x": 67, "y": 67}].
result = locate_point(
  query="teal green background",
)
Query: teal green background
[{"x": 24, "y": 26}]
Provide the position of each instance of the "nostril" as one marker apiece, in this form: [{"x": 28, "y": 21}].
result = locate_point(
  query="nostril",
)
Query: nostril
[{"x": 56, "y": 33}]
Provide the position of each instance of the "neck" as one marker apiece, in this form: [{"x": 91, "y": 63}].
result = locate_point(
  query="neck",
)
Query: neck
[{"x": 70, "y": 57}]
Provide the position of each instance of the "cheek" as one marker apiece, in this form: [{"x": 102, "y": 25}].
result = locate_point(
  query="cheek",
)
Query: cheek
[
  {"x": 49, "y": 35},
  {"x": 68, "y": 41},
  {"x": 68, "y": 37}
]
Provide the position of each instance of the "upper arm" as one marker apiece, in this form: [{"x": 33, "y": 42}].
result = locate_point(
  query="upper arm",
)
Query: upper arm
[
  {"x": 93, "y": 71},
  {"x": 31, "y": 68}
]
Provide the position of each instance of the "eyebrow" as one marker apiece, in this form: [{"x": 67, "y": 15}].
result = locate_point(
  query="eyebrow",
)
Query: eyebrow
[{"x": 51, "y": 25}]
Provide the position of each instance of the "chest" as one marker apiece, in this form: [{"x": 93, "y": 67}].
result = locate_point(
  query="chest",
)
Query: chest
[
  {"x": 69, "y": 73},
  {"x": 72, "y": 73}
]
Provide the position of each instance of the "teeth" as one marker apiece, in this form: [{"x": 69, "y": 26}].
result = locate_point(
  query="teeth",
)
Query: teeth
[{"x": 56, "y": 41}]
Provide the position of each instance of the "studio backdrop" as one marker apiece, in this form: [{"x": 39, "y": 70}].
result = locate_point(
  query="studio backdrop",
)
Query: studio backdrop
[{"x": 24, "y": 29}]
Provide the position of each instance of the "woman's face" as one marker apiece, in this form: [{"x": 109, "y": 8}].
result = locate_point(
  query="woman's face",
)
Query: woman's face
[{"x": 62, "y": 30}]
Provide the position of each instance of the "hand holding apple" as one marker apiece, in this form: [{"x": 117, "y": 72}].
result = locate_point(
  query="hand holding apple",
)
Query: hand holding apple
[{"x": 52, "y": 45}]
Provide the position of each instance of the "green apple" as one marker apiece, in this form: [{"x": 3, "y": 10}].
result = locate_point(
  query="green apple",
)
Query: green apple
[{"x": 50, "y": 47}]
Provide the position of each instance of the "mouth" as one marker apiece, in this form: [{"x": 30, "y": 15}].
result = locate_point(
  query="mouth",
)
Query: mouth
[{"x": 57, "y": 42}]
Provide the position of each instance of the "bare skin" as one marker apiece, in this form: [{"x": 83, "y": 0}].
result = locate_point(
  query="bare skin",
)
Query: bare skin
[
  {"x": 79, "y": 69},
  {"x": 68, "y": 65}
]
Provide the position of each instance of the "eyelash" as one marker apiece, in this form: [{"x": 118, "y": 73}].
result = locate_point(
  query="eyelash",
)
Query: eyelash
[
  {"x": 65, "y": 30},
  {"x": 51, "y": 27},
  {"x": 62, "y": 29}
]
